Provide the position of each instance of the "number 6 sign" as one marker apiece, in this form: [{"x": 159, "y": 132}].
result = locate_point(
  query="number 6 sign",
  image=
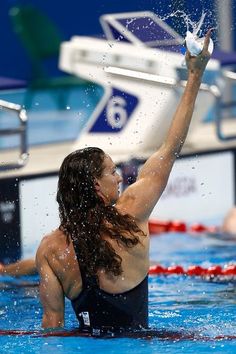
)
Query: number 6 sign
[{"x": 115, "y": 113}]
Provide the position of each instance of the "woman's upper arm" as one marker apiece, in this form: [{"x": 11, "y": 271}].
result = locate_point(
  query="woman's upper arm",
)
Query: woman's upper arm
[
  {"x": 140, "y": 198},
  {"x": 51, "y": 294}
]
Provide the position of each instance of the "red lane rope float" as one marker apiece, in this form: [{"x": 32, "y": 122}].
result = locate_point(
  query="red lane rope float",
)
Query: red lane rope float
[
  {"x": 162, "y": 226},
  {"x": 195, "y": 270}
]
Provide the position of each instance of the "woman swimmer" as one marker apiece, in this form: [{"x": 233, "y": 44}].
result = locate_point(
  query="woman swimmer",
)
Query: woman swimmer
[{"x": 99, "y": 256}]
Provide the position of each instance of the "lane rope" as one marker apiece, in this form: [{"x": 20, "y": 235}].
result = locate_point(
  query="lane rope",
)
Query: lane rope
[
  {"x": 157, "y": 227},
  {"x": 225, "y": 272},
  {"x": 144, "y": 334}
]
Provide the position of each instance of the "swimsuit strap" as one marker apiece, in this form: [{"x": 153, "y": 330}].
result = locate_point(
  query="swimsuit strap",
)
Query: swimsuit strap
[{"x": 89, "y": 281}]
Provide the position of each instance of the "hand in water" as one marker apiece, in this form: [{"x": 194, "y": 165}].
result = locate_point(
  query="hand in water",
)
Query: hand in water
[{"x": 197, "y": 64}]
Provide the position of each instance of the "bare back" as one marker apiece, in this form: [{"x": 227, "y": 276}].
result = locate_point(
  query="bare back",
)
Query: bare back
[{"x": 61, "y": 257}]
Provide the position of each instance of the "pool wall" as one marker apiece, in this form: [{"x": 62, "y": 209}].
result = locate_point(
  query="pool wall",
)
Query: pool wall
[{"x": 201, "y": 188}]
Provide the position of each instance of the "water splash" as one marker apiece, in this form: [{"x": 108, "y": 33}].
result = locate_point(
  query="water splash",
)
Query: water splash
[
  {"x": 199, "y": 24},
  {"x": 192, "y": 26}
]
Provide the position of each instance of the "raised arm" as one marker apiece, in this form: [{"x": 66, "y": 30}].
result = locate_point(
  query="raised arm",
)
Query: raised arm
[
  {"x": 51, "y": 293},
  {"x": 140, "y": 198}
]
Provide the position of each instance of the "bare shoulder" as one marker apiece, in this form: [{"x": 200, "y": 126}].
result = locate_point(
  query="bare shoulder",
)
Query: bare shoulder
[{"x": 50, "y": 242}]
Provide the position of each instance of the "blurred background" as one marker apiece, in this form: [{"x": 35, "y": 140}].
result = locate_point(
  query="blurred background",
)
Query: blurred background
[{"x": 73, "y": 17}]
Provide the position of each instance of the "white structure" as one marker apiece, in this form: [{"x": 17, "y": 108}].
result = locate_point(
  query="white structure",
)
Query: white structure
[{"x": 141, "y": 84}]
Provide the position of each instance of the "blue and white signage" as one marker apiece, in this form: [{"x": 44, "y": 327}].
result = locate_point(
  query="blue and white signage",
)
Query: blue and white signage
[{"x": 116, "y": 112}]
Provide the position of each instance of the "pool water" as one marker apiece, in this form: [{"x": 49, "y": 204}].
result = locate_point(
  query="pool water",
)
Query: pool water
[
  {"x": 176, "y": 303},
  {"x": 46, "y": 122}
]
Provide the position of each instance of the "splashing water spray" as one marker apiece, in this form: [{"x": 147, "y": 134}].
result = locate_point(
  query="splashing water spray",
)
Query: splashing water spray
[{"x": 193, "y": 42}]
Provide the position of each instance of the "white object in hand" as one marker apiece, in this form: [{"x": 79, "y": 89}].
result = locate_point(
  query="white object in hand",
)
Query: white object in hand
[{"x": 195, "y": 44}]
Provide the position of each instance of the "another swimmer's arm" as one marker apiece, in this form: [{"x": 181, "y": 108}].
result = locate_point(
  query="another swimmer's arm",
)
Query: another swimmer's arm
[
  {"x": 20, "y": 268},
  {"x": 141, "y": 197},
  {"x": 51, "y": 294}
]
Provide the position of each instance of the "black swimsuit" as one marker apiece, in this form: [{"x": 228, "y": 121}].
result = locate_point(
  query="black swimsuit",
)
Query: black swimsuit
[{"x": 101, "y": 313}]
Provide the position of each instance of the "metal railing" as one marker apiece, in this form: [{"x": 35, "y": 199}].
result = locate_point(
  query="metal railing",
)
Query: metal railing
[{"x": 20, "y": 130}]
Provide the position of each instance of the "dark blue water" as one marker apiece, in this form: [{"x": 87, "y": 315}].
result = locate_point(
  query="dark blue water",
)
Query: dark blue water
[{"x": 176, "y": 303}]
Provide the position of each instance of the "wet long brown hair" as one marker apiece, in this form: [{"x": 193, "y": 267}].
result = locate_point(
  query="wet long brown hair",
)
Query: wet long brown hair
[{"x": 84, "y": 217}]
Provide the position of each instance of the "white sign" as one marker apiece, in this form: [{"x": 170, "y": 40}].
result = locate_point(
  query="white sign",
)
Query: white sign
[
  {"x": 200, "y": 189},
  {"x": 38, "y": 211}
]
